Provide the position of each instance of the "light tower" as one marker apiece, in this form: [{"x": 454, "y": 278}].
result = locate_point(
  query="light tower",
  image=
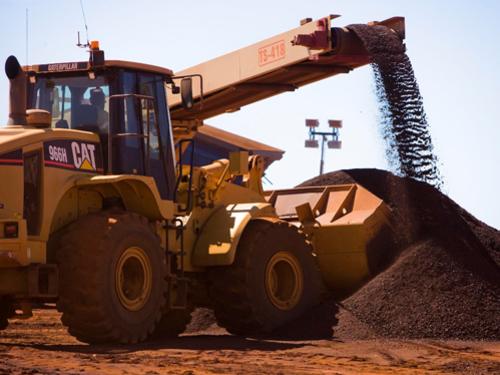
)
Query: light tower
[{"x": 333, "y": 134}]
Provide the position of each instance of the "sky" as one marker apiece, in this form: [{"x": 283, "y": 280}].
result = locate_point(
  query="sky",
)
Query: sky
[{"x": 453, "y": 46}]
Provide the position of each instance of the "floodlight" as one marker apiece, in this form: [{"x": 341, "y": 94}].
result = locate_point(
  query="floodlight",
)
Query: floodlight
[
  {"x": 337, "y": 124},
  {"x": 334, "y": 144},
  {"x": 312, "y": 123},
  {"x": 311, "y": 143}
]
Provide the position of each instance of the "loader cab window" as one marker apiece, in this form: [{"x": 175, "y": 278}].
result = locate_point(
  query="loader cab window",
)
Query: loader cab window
[
  {"x": 147, "y": 149},
  {"x": 74, "y": 102}
]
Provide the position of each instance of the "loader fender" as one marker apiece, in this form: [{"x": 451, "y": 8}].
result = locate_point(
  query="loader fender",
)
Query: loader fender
[
  {"x": 138, "y": 193},
  {"x": 82, "y": 196},
  {"x": 218, "y": 240}
]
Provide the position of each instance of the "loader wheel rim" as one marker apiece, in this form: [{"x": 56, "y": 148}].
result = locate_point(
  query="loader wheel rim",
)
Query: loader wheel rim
[
  {"x": 284, "y": 280},
  {"x": 133, "y": 278}
]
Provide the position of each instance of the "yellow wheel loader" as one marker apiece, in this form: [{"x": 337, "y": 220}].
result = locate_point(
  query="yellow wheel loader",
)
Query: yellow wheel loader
[{"x": 103, "y": 212}]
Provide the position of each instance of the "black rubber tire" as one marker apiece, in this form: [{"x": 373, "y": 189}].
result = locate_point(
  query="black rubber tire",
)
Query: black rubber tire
[
  {"x": 5, "y": 313},
  {"x": 87, "y": 259},
  {"x": 172, "y": 323},
  {"x": 240, "y": 301}
]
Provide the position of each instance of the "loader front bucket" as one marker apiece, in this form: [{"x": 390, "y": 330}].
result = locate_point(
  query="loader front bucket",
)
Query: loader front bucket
[{"x": 348, "y": 226}]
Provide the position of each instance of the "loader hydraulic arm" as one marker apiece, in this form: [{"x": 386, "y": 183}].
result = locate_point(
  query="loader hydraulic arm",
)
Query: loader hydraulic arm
[{"x": 285, "y": 62}]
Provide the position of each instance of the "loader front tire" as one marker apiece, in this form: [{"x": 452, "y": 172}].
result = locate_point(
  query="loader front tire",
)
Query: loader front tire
[
  {"x": 5, "y": 313},
  {"x": 172, "y": 323},
  {"x": 112, "y": 278},
  {"x": 273, "y": 280}
]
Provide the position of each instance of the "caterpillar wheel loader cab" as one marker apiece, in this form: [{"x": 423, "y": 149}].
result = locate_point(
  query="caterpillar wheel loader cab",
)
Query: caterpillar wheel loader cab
[{"x": 102, "y": 211}]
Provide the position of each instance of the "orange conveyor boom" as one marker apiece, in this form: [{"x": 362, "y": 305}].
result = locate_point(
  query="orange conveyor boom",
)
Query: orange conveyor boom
[{"x": 283, "y": 63}]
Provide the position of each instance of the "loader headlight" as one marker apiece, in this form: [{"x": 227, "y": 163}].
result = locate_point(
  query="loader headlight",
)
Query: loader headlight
[{"x": 11, "y": 230}]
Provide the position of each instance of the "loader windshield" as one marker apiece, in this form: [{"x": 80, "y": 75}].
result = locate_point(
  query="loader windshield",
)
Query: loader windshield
[{"x": 75, "y": 102}]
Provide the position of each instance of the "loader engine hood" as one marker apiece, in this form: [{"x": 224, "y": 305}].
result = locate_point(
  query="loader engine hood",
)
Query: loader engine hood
[{"x": 67, "y": 149}]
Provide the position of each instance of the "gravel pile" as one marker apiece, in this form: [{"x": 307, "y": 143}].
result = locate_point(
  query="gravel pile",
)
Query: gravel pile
[{"x": 443, "y": 278}]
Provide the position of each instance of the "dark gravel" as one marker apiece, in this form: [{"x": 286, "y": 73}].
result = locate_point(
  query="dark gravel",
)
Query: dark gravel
[{"x": 443, "y": 280}]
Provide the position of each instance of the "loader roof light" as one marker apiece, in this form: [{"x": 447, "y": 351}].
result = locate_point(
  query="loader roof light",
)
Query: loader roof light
[{"x": 94, "y": 44}]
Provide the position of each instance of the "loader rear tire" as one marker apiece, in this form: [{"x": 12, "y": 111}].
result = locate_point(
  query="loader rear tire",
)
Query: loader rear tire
[
  {"x": 112, "y": 274},
  {"x": 273, "y": 280}
]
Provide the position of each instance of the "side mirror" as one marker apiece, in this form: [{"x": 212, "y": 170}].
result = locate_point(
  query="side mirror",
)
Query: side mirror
[{"x": 187, "y": 93}]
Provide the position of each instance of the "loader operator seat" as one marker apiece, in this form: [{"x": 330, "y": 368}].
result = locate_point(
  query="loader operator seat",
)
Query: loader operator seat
[
  {"x": 62, "y": 124},
  {"x": 85, "y": 118},
  {"x": 92, "y": 117},
  {"x": 98, "y": 99}
]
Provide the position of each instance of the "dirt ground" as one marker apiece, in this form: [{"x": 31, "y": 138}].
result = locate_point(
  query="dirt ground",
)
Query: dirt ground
[{"x": 42, "y": 346}]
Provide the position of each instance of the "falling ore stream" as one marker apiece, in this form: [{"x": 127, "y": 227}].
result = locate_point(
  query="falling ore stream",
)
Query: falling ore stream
[{"x": 404, "y": 125}]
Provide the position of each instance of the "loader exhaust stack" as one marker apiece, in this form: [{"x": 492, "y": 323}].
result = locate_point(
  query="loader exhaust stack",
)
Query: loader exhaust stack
[{"x": 17, "y": 93}]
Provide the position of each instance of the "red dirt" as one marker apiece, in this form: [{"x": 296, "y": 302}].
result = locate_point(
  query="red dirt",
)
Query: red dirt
[{"x": 41, "y": 346}]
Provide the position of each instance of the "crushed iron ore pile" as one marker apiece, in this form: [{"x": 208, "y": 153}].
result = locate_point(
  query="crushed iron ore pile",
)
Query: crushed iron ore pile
[
  {"x": 403, "y": 121},
  {"x": 442, "y": 276}
]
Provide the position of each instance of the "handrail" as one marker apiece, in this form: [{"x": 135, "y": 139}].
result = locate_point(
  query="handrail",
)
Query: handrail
[{"x": 191, "y": 168}]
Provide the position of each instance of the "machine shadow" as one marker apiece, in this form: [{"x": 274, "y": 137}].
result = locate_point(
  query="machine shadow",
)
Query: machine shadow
[
  {"x": 316, "y": 324},
  {"x": 199, "y": 342}
]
